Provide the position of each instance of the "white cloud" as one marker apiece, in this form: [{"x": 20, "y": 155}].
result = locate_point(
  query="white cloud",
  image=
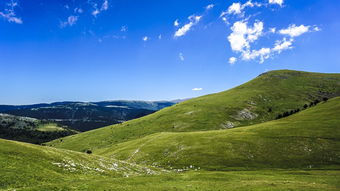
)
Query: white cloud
[
  {"x": 176, "y": 23},
  {"x": 225, "y": 20},
  {"x": 237, "y": 8},
  {"x": 283, "y": 45},
  {"x": 124, "y": 29},
  {"x": 232, "y": 60},
  {"x": 95, "y": 12},
  {"x": 145, "y": 38},
  {"x": 294, "y": 31},
  {"x": 272, "y": 30},
  {"x": 78, "y": 10},
  {"x": 104, "y": 7},
  {"x": 9, "y": 13},
  {"x": 194, "y": 19},
  {"x": 263, "y": 54},
  {"x": 181, "y": 56},
  {"x": 242, "y": 35},
  {"x": 160, "y": 37},
  {"x": 208, "y": 7},
  {"x": 279, "y": 2},
  {"x": 197, "y": 89},
  {"x": 316, "y": 29},
  {"x": 71, "y": 20}
]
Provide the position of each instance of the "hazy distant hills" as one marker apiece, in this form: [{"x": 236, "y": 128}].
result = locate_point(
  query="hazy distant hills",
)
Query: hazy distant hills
[{"x": 84, "y": 116}]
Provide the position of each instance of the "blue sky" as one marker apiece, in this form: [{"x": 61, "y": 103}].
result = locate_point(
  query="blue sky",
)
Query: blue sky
[{"x": 91, "y": 50}]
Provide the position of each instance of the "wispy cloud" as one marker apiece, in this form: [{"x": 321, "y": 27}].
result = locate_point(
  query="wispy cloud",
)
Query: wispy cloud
[
  {"x": 197, "y": 89},
  {"x": 232, "y": 60},
  {"x": 145, "y": 38},
  {"x": 294, "y": 31},
  {"x": 71, "y": 20},
  {"x": 176, "y": 23},
  {"x": 181, "y": 56},
  {"x": 78, "y": 10},
  {"x": 123, "y": 29},
  {"x": 238, "y": 8},
  {"x": 279, "y": 2},
  {"x": 284, "y": 44},
  {"x": 9, "y": 13},
  {"x": 194, "y": 19},
  {"x": 208, "y": 7},
  {"x": 98, "y": 9}
]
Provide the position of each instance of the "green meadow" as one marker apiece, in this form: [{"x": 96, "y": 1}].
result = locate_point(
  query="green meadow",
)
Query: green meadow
[{"x": 232, "y": 140}]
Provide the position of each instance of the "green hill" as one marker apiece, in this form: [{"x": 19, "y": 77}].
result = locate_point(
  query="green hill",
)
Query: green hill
[
  {"x": 31, "y": 167},
  {"x": 31, "y": 130},
  {"x": 306, "y": 140},
  {"x": 26, "y": 165},
  {"x": 195, "y": 145},
  {"x": 262, "y": 99}
]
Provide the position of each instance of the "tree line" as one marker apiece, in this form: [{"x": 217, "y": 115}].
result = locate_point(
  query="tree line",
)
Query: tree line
[{"x": 291, "y": 112}]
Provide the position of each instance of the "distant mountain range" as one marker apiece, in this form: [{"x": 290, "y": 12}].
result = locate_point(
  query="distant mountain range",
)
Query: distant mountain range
[{"x": 84, "y": 116}]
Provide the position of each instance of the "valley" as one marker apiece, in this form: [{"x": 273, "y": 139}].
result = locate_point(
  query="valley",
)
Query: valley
[{"x": 232, "y": 140}]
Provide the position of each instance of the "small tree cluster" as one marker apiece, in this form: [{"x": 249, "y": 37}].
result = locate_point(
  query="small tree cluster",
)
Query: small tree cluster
[
  {"x": 287, "y": 113},
  {"x": 291, "y": 112}
]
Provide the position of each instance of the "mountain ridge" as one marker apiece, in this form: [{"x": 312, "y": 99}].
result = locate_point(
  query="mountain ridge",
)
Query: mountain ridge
[{"x": 259, "y": 100}]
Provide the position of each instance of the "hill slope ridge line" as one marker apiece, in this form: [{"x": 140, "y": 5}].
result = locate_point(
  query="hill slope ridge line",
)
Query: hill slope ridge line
[
  {"x": 309, "y": 139},
  {"x": 259, "y": 100}
]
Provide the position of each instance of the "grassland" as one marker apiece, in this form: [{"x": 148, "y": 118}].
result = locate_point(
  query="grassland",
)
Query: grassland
[
  {"x": 32, "y": 167},
  {"x": 257, "y": 101},
  {"x": 48, "y": 127},
  {"x": 307, "y": 140},
  {"x": 224, "y": 141},
  {"x": 26, "y": 165}
]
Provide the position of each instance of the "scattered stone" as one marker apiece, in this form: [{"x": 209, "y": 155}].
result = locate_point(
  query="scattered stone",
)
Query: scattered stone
[
  {"x": 228, "y": 125},
  {"x": 245, "y": 114}
]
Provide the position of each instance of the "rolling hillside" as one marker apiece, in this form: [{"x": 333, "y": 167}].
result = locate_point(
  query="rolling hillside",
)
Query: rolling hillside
[
  {"x": 32, "y": 167},
  {"x": 261, "y": 99},
  {"x": 26, "y": 165},
  {"x": 307, "y": 140},
  {"x": 224, "y": 141}
]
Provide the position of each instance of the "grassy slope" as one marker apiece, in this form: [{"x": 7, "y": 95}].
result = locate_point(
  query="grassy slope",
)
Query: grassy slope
[
  {"x": 279, "y": 90},
  {"x": 203, "y": 180},
  {"x": 26, "y": 165},
  {"x": 50, "y": 127},
  {"x": 31, "y": 167},
  {"x": 309, "y": 139}
]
